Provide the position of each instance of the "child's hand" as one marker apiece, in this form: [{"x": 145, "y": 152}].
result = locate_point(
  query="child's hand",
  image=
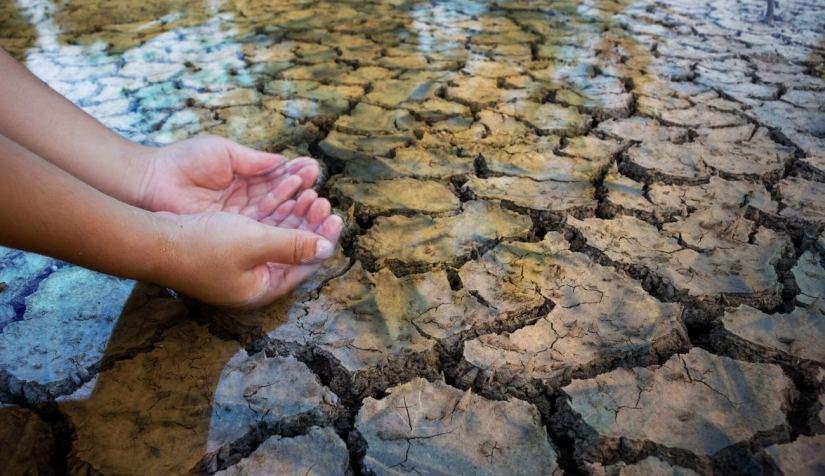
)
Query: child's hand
[
  {"x": 210, "y": 173},
  {"x": 231, "y": 260}
]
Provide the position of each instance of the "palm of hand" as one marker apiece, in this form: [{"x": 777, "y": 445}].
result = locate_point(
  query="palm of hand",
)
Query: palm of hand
[{"x": 208, "y": 174}]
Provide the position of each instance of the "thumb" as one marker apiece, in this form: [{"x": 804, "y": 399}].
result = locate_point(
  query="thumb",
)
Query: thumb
[
  {"x": 246, "y": 161},
  {"x": 288, "y": 246}
]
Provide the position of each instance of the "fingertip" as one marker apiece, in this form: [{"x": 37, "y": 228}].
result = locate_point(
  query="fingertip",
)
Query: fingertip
[
  {"x": 319, "y": 210},
  {"x": 331, "y": 228}
]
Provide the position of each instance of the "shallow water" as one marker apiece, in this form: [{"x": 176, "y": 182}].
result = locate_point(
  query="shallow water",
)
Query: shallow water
[{"x": 468, "y": 144}]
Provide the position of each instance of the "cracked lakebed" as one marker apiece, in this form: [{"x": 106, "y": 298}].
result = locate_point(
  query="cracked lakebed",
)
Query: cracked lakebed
[{"x": 582, "y": 237}]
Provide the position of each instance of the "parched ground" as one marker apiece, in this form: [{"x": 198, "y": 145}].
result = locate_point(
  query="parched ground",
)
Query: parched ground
[{"x": 582, "y": 237}]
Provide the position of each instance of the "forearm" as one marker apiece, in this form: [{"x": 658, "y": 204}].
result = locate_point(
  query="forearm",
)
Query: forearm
[
  {"x": 41, "y": 120},
  {"x": 45, "y": 210}
]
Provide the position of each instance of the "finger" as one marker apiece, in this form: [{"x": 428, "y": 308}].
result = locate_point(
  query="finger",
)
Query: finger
[
  {"x": 247, "y": 161},
  {"x": 282, "y": 280},
  {"x": 280, "y": 213},
  {"x": 272, "y": 244},
  {"x": 319, "y": 210},
  {"x": 331, "y": 228},
  {"x": 282, "y": 192},
  {"x": 295, "y": 164},
  {"x": 304, "y": 201},
  {"x": 309, "y": 173}
]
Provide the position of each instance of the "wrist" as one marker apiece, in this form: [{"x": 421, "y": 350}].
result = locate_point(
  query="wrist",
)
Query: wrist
[
  {"x": 139, "y": 168},
  {"x": 163, "y": 253}
]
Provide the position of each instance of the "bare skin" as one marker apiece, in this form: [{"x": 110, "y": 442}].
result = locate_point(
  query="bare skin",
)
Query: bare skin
[{"x": 208, "y": 217}]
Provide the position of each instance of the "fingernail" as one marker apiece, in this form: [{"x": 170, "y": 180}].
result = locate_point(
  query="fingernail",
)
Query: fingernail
[{"x": 323, "y": 249}]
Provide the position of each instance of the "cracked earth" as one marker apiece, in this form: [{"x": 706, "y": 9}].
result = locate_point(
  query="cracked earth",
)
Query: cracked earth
[{"x": 583, "y": 237}]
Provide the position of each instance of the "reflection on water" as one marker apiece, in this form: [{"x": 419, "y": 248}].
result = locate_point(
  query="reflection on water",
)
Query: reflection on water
[{"x": 151, "y": 385}]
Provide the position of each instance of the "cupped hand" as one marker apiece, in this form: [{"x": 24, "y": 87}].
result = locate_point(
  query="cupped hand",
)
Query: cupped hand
[
  {"x": 210, "y": 174},
  {"x": 231, "y": 260}
]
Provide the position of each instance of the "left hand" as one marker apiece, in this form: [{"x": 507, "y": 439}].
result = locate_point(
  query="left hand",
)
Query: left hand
[{"x": 213, "y": 174}]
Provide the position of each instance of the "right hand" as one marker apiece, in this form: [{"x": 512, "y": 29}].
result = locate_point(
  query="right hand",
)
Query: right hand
[{"x": 231, "y": 260}]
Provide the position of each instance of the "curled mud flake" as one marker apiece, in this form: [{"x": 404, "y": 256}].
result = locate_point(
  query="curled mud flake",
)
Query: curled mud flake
[
  {"x": 803, "y": 199},
  {"x": 789, "y": 119},
  {"x": 27, "y": 442},
  {"x": 373, "y": 322},
  {"x": 256, "y": 393},
  {"x": 727, "y": 195},
  {"x": 648, "y": 466},
  {"x": 20, "y": 273},
  {"x": 667, "y": 162},
  {"x": 576, "y": 197},
  {"x": 476, "y": 92},
  {"x": 366, "y": 119},
  {"x": 710, "y": 399},
  {"x": 424, "y": 240},
  {"x": 346, "y": 147},
  {"x": 432, "y": 428},
  {"x": 261, "y": 129},
  {"x": 641, "y": 129},
  {"x": 809, "y": 274},
  {"x": 600, "y": 317},
  {"x": 592, "y": 148},
  {"x": 62, "y": 335},
  {"x": 745, "y": 273},
  {"x": 792, "y": 339},
  {"x": 397, "y": 195},
  {"x": 623, "y": 195},
  {"x": 418, "y": 162},
  {"x": 394, "y": 92},
  {"x": 549, "y": 118},
  {"x": 536, "y": 160},
  {"x": 758, "y": 157},
  {"x": 162, "y": 399},
  {"x": 803, "y": 456},
  {"x": 319, "y": 452}
]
